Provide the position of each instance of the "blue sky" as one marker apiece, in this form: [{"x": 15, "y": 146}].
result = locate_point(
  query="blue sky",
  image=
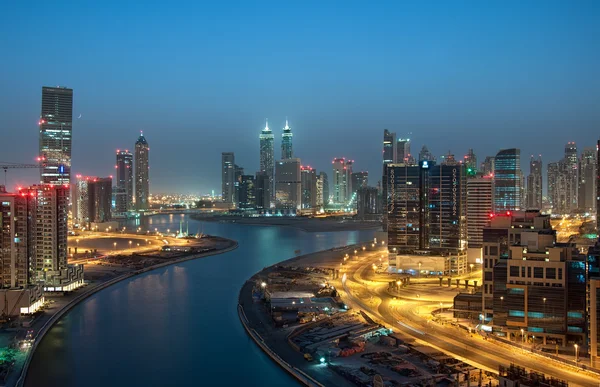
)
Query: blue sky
[{"x": 201, "y": 77}]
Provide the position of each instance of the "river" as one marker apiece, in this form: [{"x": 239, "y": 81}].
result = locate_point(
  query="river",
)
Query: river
[{"x": 175, "y": 326}]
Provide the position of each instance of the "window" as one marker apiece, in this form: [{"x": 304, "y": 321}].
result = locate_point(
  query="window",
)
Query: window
[
  {"x": 535, "y": 314},
  {"x": 551, "y": 273},
  {"x": 523, "y": 271},
  {"x": 488, "y": 276},
  {"x": 516, "y": 313},
  {"x": 516, "y": 291},
  {"x": 575, "y": 329},
  {"x": 559, "y": 274},
  {"x": 514, "y": 271},
  {"x": 538, "y": 272},
  {"x": 529, "y": 272},
  {"x": 494, "y": 250},
  {"x": 485, "y": 250},
  {"x": 575, "y": 314}
]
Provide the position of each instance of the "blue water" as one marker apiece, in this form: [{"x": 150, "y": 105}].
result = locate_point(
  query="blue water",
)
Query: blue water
[{"x": 175, "y": 326}]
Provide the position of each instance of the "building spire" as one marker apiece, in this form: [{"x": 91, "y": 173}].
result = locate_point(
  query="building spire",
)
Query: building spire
[
  {"x": 286, "y": 124},
  {"x": 267, "y": 124}
]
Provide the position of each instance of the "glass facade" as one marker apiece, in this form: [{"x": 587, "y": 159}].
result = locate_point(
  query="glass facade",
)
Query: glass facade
[{"x": 507, "y": 180}]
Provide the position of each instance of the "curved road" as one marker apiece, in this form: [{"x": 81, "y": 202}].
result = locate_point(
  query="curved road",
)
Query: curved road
[{"x": 372, "y": 297}]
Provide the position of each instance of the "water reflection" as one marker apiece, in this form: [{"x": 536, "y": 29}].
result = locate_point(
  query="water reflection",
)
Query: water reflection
[{"x": 176, "y": 325}]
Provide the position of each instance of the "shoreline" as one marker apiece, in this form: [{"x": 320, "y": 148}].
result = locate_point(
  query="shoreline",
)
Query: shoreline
[
  {"x": 86, "y": 294},
  {"x": 309, "y": 225},
  {"x": 300, "y": 375}
]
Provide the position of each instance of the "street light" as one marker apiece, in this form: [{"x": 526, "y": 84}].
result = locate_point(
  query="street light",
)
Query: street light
[
  {"x": 471, "y": 266},
  {"x": 364, "y": 248},
  {"x": 263, "y": 285},
  {"x": 576, "y": 353},
  {"x": 522, "y": 336}
]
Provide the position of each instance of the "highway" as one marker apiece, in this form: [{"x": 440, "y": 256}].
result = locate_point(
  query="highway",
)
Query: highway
[{"x": 409, "y": 313}]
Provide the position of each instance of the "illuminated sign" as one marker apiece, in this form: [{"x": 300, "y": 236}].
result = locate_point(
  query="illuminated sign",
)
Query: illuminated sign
[
  {"x": 61, "y": 169},
  {"x": 425, "y": 164}
]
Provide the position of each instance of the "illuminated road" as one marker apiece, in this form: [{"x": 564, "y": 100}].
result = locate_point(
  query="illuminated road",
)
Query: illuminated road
[{"x": 409, "y": 314}]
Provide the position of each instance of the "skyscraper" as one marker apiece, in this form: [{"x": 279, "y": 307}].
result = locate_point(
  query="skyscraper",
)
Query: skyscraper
[
  {"x": 425, "y": 154},
  {"x": 56, "y": 126},
  {"x": 487, "y": 167},
  {"x": 49, "y": 233},
  {"x": 368, "y": 203},
  {"x": 80, "y": 201},
  {"x": 309, "y": 187},
  {"x": 287, "y": 151},
  {"x": 325, "y": 184},
  {"x": 142, "y": 170},
  {"x": 262, "y": 193},
  {"x": 267, "y": 157},
  {"x": 426, "y": 207},
  {"x": 237, "y": 181},
  {"x": 534, "y": 184},
  {"x": 552, "y": 184},
  {"x": 389, "y": 147},
  {"x": 228, "y": 177},
  {"x": 124, "y": 178},
  {"x": 342, "y": 183},
  {"x": 480, "y": 199},
  {"x": 288, "y": 180},
  {"x": 598, "y": 187},
  {"x": 247, "y": 192},
  {"x": 403, "y": 151},
  {"x": 507, "y": 180},
  {"x": 99, "y": 199},
  {"x": 470, "y": 161},
  {"x": 359, "y": 179},
  {"x": 587, "y": 181},
  {"x": 571, "y": 177}
]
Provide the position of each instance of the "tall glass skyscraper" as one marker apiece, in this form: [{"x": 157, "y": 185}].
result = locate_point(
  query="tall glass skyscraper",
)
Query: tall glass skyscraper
[
  {"x": 534, "y": 184},
  {"x": 507, "y": 180},
  {"x": 56, "y": 125},
  {"x": 142, "y": 183},
  {"x": 267, "y": 157},
  {"x": 287, "y": 151},
  {"x": 124, "y": 169},
  {"x": 228, "y": 177}
]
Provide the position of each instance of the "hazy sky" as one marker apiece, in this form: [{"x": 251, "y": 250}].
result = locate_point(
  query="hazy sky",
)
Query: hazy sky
[{"x": 201, "y": 77}]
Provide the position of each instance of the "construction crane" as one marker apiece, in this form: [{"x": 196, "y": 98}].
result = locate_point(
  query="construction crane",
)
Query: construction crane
[{"x": 7, "y": 166}]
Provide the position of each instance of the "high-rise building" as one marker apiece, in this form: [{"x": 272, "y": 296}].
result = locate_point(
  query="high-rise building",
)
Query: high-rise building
[
  {"x": 534, "y": 184},
  {"x": 287, "y": 151},
  {"x": 56, "y": 131},
  {"x": 262, "y": 191},
  {"x": 368, "y": 203},
  {"x": 598, "y": 187},
  {"x": 426, "y": 155},
  {"x": 309, "y": 187},
  {"x": 571, "y": 176},
  {"x": 480, "y": 200},
  {"x": 288, "y": 180},
  {"x": 267, "y": 158},
  {"x": 587, "y": 181},
  {"x": 228, "y": 177},
  {"x": 488, "y": 165},
  {"x": 390, "y": 154},
  {"x": 99, "y": 199},
  {"x": 470, "y": 161},
  {"x": 247, "y": 192},
  {"x": 342, "y": 180},
  {"x": 449, "y": 159},
  {"x": 552, "y": 184},
  {"x": 81, "y": 201},
  {"x": 325, "y": 183},
  {"x": 15, "y": 244},
  {"x": 507, "y": 180},
  {"x": 124, "y": 167},
  {"x": 359, "y": 179},
  {"x": 426, "y": 207},
  {"x": 403, "y": 150},
  {"x": 237, "y": 181},
  {"x": 49, "y": 233},
  {"x": 142, "y": 172}
]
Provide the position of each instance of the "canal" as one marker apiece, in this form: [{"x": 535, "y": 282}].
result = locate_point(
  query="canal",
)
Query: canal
[{"x": 175, "y": 326}]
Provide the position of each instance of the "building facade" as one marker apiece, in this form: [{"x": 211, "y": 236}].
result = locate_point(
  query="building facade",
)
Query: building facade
[
  {"x": 287, "y": 150},
  {"x": 228, "y": 177},
  {"x": 288, "y": 189},
  {"x": 56, "y": 132},
  {"x": 368, "y": 203},
  {"x": 325, "y": 187},
  {"x": 534, "y": 184},
  {"x": 142, "y": 174},
  {"x": 262, "y": 191},
  {"x": 124, "y": 177},
  {"x": 480, "y": 205},
  {"x": 247, "y": 192},
  {"x": 587, "y": 181},
  {"x": 267, "y": 158},
  {"x": 403, "y": 151},
  {"x": 342, "y": 181},
  {"x": 389, "y": 147},
  {"x": 99, "y": 199},
  {"x": 309, "y": 185},
  {"x": 507, "y": 180}
]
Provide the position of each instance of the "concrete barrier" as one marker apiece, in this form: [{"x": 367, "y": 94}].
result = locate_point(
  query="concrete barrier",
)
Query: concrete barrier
[
  {"x": 60, "y": 313},
  {"x": 300, "y": 375}
]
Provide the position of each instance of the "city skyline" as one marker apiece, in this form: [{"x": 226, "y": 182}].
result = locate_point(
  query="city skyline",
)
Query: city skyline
[{"x": 517, "y": 88}]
